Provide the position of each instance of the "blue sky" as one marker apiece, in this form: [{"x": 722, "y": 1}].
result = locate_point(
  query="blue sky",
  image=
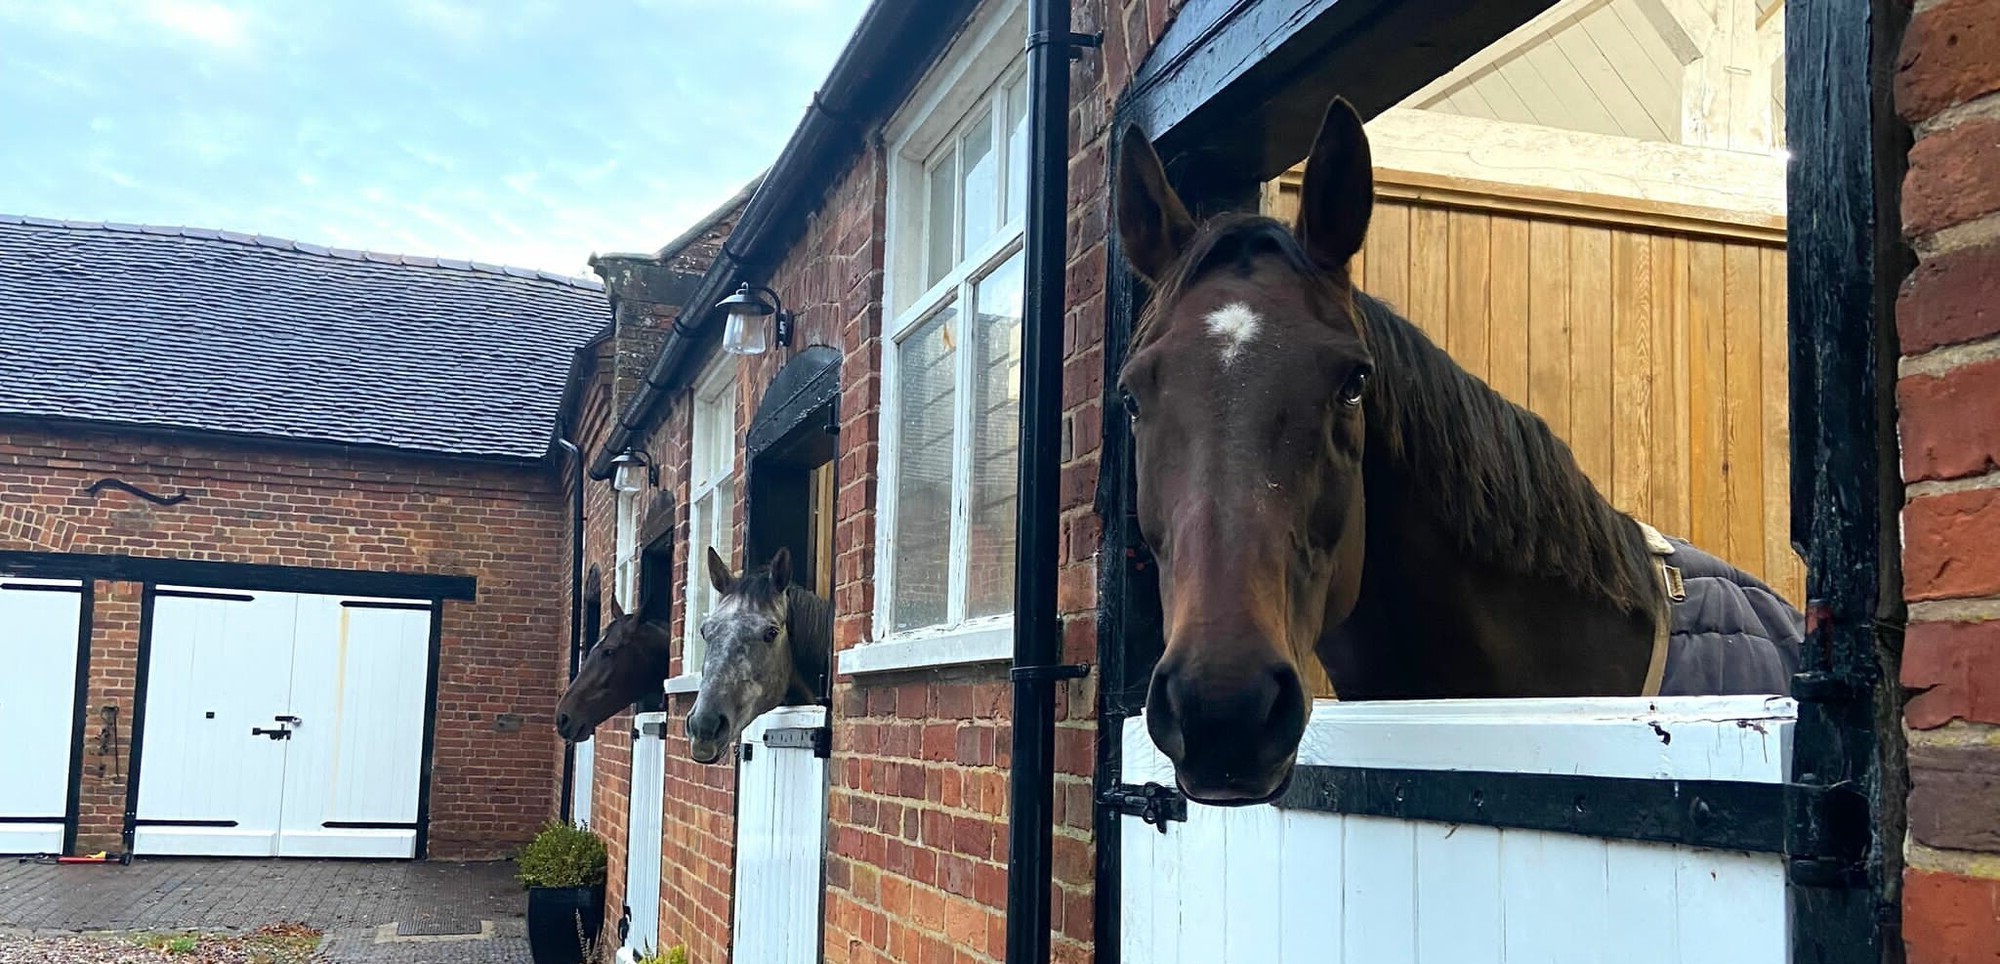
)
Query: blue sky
[{"x": 523, "y": 132}]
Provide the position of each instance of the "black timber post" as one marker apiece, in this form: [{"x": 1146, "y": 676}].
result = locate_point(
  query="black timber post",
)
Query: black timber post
[{"x": 1845, "y": 261}]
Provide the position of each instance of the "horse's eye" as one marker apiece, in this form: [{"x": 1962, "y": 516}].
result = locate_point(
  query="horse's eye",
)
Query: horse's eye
[
  {"x": 771, "y": 634},
  {"x": 1357, "y": 383},
  {"x": 1131, "y": 405}
]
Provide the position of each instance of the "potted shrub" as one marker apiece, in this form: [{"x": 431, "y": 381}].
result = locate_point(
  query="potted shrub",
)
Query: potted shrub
[{"x": 563, "y": 868}]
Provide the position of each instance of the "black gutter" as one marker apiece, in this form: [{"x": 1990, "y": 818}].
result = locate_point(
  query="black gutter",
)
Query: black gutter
[
  {"x": 1037, "y": 626},
  {"x": 895, "y": 42},
  {"x": 575, "y": 609}
]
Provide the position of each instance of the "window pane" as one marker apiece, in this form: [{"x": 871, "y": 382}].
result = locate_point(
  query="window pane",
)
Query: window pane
[
  {"x": 1017, "y": 150},
  {"x": 925, "y": 366},
  {"x": 699, "y": 529},
  {"x": 996, "y": 426},
  {"x": 981, "y": 183},
  {"x": 939, "y": 223}
]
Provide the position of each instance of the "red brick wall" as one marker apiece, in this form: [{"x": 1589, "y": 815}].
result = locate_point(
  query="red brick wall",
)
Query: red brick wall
[
  {"x": 917, "y": 853},
  {"x": 1948, "y": 88},
  {"x": 266, "y": 505}
]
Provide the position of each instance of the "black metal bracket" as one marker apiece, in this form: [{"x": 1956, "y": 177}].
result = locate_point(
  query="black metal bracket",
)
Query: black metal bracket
[
  {"x": 1054, "y": 671},
  {"x": 1074, "y": 41},
  {"x": 818, "y": 739},
  {"x": 123, "y": 486},
  {"x": 275, "y": 733},
  {"x": 1151, "y": 803}
]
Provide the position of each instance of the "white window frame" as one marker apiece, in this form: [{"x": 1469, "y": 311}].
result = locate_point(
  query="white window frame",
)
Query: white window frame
[
  {"x": 976, "y": 73},
  {"x": 712, "y": 412},
  {"x": 625, "y": 554}
]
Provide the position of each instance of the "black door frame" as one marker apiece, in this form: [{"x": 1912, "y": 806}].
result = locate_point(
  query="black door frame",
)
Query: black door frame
[{"x": 1231, "y": 96}]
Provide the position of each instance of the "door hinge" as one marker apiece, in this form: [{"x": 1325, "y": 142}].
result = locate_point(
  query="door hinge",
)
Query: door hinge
[
  {"x": 1151, "y": 803},
  {"x": 1828, "y": 830},
  {"x": 275, "y": 733},
  {"x": 818, "y": 739}
]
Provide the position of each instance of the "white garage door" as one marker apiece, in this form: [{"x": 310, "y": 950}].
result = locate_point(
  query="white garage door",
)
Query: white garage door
[
  {"x": 282, "y": 724},
  {"x": 39, "y": 622}
]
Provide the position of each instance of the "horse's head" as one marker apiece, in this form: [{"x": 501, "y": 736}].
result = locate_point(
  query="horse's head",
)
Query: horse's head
[
  {"x": 1245, "y": 390},
  {"x": 629, "y": 663},
  {"x": 748, "y": 666}
]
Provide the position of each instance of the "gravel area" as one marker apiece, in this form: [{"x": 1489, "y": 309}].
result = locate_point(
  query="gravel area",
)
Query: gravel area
[
  {"x": 367, "y": 912},
  {"x": 273, "y": 945}
]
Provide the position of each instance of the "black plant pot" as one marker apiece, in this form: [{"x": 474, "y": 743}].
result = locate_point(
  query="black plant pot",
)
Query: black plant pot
[{"x": 553, "y": 916}]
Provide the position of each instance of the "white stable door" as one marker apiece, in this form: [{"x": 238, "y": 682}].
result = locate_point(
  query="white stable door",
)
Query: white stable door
[
  {"x": 39, "y": 622},
  {"x": 211, "y": 756},
  {"x": 359, "y": 675},
  {"x": 642, "y": 855},
  {"x": 780, "y": 838},
  {"x": 282, "y": 724},
  {"x": 581, "y": 783}
]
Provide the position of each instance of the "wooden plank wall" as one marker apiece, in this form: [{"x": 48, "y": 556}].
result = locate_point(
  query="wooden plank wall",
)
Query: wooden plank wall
[{"x": 1650, "y": 336}]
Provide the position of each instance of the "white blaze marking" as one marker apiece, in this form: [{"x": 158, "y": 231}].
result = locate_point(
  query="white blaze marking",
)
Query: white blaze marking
[{"x": 1235, "y": 324}]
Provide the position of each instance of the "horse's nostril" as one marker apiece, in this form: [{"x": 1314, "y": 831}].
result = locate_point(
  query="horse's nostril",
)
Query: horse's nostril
[{"x": 562, "y": 721}]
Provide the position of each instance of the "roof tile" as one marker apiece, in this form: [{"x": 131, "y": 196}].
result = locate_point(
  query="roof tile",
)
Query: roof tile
[{"x": 246, "y": 334}]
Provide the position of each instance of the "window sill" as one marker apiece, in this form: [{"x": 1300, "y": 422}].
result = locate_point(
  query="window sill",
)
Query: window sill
[
  {"x": 683, "y": 684},
  {"x": 966, "y": 645}
]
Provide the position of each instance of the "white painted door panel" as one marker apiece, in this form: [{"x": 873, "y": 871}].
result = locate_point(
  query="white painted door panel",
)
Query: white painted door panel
[
  {"x": 344, "y": 680},
  {"x": 39, "y": 623},
  {"x": 359, "y": 678},
  {"x": 1260, "y": 884},
  {"x": 642, "y": 863},
  {"x": 780, "y": 842},
  {"x": 219, "y": 667},
  {"x": 582, "y": 783}
]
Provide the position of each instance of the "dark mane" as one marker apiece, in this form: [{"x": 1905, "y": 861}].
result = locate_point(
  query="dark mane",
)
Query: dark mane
[
  {"x": 1493, "y": 473},
  {"x": 1496, "y": 477}
]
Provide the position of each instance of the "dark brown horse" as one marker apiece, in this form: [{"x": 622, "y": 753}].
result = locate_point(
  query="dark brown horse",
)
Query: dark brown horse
[
  {"x": 628, "y": 664},
  {"x": 1317, "y": 480}
]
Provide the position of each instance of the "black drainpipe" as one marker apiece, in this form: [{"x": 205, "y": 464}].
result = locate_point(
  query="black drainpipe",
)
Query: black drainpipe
[
  {"x": 1037, "y": 632},
  {"x": 575, "y": 608}
]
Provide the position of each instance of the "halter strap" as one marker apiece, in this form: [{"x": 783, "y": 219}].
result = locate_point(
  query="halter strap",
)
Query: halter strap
[{"x": 1673, "y": 589}]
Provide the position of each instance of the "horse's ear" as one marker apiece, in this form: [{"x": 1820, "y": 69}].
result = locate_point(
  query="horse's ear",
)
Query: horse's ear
[
  {"x": 1153, "y": 225},
  {"x": 781, "y": 568},
  {"x": 617, "y": 611},
  {"x": 1339, "y": 190},
  {"x": 719, "y": 575}
]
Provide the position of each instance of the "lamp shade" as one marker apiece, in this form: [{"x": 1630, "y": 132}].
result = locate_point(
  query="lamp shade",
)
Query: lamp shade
[
  {"x": 744, "y": 334},
  {"x": 628, "y": 472}
]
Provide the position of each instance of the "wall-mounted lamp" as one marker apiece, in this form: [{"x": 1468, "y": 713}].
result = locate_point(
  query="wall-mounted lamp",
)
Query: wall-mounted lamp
[
  {"x": 627, "y": 468},
  {"x": 744, "y": 334}
]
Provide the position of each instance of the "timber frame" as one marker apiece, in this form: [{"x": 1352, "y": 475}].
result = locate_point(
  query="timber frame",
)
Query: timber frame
[{"x": 1230, "y": 96}]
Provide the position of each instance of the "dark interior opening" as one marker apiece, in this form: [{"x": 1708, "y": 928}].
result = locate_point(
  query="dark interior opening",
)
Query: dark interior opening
[{"x": 593, "y": 609}]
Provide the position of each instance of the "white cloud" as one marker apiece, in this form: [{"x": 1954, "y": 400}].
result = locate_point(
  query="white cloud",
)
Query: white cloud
[{"x": 208, "y": 23}]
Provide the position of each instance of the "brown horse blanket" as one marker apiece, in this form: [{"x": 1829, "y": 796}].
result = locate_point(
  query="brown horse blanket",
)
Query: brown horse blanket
[{"x": 1729, "y": 633}]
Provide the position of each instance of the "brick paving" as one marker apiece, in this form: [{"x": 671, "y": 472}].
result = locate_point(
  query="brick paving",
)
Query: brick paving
[{"x": 370, "y": 911}]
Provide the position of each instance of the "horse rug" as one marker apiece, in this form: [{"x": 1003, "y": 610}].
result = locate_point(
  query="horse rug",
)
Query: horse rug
[{"x": 1726, "y": 631}]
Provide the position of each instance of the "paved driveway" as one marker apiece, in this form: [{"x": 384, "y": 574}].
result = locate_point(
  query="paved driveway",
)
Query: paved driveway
[{"x": 372, "y": 911}]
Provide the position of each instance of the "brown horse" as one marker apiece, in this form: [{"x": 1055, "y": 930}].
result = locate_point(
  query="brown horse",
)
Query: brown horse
[
  {"x": 769, "y": 644},
  {"x": 1316, "y": 479},
  {"x": 627, "y": 665}
]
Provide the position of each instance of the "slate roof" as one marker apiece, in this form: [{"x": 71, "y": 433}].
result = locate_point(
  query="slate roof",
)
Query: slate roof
[{"x": 214, "y": 331}]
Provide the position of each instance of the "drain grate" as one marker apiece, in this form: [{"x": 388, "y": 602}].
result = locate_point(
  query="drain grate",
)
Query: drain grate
[{"x": 439, "y": 927}]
